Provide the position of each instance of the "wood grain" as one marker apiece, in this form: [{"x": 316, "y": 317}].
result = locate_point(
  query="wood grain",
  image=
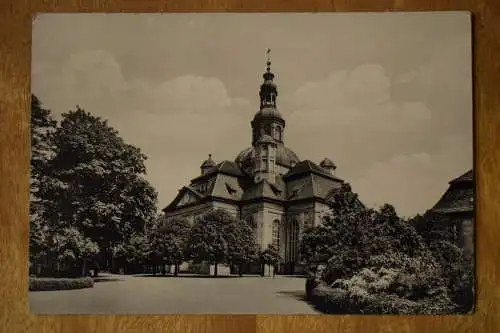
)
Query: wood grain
[{"x": 15, "y": 41}]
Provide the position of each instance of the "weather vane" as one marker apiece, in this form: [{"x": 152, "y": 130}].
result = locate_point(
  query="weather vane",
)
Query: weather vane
[{"x": 268, "y": 53}]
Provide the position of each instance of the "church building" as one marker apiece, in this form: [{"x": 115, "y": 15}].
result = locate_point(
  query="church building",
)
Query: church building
[{"x": 266, "y": 184}]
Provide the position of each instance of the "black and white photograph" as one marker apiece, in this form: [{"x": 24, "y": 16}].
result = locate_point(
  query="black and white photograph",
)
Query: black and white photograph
[{"x": 252, "y": 163}]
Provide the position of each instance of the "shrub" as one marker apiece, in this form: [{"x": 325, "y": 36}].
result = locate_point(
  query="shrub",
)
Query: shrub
[
  {"x": 340, "y": 301},
  {"x": 46, "y": 284},
  {"x": 329, "y": 300}
]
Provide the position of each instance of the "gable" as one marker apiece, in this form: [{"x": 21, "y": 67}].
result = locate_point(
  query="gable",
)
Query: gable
[{"x": 186, "y": 196}]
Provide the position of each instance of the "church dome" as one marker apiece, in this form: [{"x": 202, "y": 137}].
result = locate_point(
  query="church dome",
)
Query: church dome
[
  {"x": 284, "y": 156},
  {"x": 268, "y": 113}
]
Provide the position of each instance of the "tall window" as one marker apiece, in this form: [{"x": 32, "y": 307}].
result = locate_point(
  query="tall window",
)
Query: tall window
[
  {"x": 276, "y": 233},
  {"x": 279, "y": 133},
  {"x": 267, "y": 130}
]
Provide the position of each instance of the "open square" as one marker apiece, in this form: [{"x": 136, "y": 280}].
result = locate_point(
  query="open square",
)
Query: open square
[{"x": 191, "y": 294}]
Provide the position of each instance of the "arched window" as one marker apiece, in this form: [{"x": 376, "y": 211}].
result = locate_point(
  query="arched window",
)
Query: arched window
[
  {"x": 276, "y": 233},
  {"x": 279, "y": 133}
]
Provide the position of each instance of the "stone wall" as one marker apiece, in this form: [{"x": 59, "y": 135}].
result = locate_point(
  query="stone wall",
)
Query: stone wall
[{"x": 320, "y": 211}]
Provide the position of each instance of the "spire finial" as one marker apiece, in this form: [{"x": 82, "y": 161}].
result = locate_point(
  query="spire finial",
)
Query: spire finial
[{"x": 268, "y": 59}]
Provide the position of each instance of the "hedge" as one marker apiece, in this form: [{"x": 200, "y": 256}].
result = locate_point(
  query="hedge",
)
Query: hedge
[{"x": 46, "y": 284}]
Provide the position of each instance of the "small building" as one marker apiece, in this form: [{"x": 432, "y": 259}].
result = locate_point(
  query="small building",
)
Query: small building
[
  {"x": 267, "y": 185},
  {"x": 458, "y": 203}
]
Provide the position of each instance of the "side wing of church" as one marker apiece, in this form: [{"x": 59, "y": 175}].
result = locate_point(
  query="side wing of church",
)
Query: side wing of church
[{"x": 267, "y": 185}]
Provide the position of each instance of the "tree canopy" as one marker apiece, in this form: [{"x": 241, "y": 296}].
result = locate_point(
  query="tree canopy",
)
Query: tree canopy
[
  {"x": 170, "y": 241},
  {"x": 370, "y": 254},
  {"x": 95, "y": 181},
  {"x": 88, "y": 189},
  {"x": 219, "y": 237}
]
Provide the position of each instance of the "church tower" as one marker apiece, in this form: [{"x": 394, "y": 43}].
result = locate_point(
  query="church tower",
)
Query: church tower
[
  {"x": 265, "y": 151},
  {"x": 268, "y": 120}
]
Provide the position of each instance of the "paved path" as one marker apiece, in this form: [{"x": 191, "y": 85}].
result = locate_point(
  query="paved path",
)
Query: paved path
[{"x": 118, "y": 294}]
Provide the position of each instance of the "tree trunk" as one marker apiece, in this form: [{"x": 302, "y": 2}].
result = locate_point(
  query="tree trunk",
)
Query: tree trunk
[
  {"x": 176, "y": 269},
  {"x": 215, "y": 269},
  {"x": 241, "y": 270},
  {"x": 84, "y": 267},
  {"x": 97, "y": 268}
]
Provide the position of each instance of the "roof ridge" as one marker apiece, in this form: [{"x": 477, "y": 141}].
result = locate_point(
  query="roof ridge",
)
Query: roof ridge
[{"x": 194, "y": 190}]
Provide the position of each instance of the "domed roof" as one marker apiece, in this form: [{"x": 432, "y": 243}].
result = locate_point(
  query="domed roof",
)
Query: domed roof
[
  {"x": 266, "y": 139},
  {"x": 284, "y": 156},
  {"x": 268, "y": 112},
  {"x": 269, "y": 83},
  {"x": 209, "y": 163},
  {"x": 327, "y": 163}
]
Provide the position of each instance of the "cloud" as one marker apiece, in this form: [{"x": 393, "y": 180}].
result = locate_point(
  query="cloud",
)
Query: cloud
[
  {"x": 192, "y": 94},
  {"x": 351, "y": 110},
  {"x": 414, "y": 182},
  {"x": 177, "y": 122},
  {"x": 379, "y": 144},
  {"x": 404, "y": 181}
]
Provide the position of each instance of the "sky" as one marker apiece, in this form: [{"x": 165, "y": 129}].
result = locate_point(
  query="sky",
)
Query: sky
[{"x": 386, "y": 96}]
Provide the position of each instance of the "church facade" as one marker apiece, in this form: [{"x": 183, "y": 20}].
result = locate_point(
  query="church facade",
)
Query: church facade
[{"x": 266, "y": 184}]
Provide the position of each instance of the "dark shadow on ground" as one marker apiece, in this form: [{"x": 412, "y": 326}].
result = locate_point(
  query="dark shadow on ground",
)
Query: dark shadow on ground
[
  {"x": 104, "y": 279},
  {"x": 298, "y": 295}
]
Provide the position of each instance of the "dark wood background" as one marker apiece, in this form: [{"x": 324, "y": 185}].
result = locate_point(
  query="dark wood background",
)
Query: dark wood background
[{"x": 15, "y": 41}]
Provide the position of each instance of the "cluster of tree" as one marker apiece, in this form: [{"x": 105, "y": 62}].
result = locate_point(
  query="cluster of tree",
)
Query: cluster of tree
[
  {"x": 88, "y": 192},
  {"x": 372, "y": 261},
  {"x": 91, "y": 207},
  {"x": 217, "y": 237}
]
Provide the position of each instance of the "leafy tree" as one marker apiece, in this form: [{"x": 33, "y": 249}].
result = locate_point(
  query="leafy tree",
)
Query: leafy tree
[
  {"x": 170, "y": 241},
  {"x": 42, "y": 126},
  {"x": 134, "y": 253},
  {"x": 72, "y": 250},
  {"x": 210, "y": 237},
  {"x": 270, "y": 256},
  {"x": 95, "y": 183},
  {"x": 242, "y": 247},
  {"x": 337, "y": 239},
  {"x": 358, "y": 246},
  {"x": 440, "y": 233}
]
